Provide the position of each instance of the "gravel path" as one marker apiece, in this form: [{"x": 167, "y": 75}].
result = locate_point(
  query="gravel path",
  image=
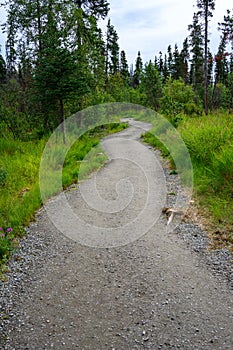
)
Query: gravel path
[{"x": 127, "y": 283}]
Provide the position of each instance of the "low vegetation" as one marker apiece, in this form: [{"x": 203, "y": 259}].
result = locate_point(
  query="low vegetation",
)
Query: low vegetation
[
  {"x": 51, "y": 70},
  {"x": 209, "y": 140},
  {"x": 19, "y": 179},
  {"x": 210, "y": 143}
]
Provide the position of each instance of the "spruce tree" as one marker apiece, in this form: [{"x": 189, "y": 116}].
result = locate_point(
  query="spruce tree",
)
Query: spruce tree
[
  {"x": 197, "y": 50},
  {"x": 206, "y": 8},
  {"x": 156, "y": 63},
  {"x": 221, "y": 67},
  {"x": 161, "y": 63},
  {"x": 2, "y": 70},
  {"x": 165, "y": 69},
  {"x": 176, "y": 66},
  {"x": 112, "y": 50},
  {"x": 138, "y": 71},
  {"x": 152, "y": 85},
  {"x": 184, "y": 58},
  {"x": 169, "y": 60},
  {"x": 124, "y": 68},
  {"x": 227, "y": 27},
  {"x": 95, "y": 8}
]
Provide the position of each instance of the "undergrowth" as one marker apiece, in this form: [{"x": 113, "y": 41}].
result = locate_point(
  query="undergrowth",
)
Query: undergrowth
[
  {"x": 19, "y": 179},
  {"x": 209, "y": 140}
]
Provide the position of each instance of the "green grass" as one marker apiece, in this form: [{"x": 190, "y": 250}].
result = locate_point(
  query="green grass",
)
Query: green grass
[
  {"x": 209, "y": 140},
  {"x": 19, "y": 178},
  {"x": 210, "y": 143}
]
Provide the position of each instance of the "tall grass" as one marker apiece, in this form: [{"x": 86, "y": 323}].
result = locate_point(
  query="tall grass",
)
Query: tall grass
[
  {"x": 209, "y": 140},
  {"x": 210, "y": 143},
  {"x": 19, "y": 177}
]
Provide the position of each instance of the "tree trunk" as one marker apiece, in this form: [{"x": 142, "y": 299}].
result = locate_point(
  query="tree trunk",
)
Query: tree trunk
[
  {"x": 214, "y": 92},
  {"x": 39, "y": 27},
  {"x": 206, "y": 59}
]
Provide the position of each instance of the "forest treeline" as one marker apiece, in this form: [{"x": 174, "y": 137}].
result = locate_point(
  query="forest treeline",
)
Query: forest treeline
[{"x": 58, "y": 61}]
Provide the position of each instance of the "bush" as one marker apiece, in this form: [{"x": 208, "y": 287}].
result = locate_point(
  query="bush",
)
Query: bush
[
  {"x": 178, "y": 99},
  {"x": 222, "y": 97}
]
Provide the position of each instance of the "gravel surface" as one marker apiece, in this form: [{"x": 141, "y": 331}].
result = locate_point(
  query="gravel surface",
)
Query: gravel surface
[{"x": 159, "y": 291}]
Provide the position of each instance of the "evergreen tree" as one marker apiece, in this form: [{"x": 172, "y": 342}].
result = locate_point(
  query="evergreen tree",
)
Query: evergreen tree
[
  {"x": 197, "y": 50},
  {"x": 27, "y": 21},
  {"x": 58, "y": 75},
  {"x": 138, "y": 71},
  {"x": 160, "y": 63},
  {"x": 56, "y": 80},
  {"x": 152, "y": 85},
  {"x": 206, "y": 8},
  {"x": 227, "y": 27},
  {"x": 165, "y": 69},
  {"x": 176, "y": 66},
  {"x": 94, "y": 57},
  {"x": 210, "y": 68},
  {"x": 96, "y": 8},
  {"x": 25, "y": 24},
  {"x": 2, "y": 70},
  {"x": 112, "y": 50},
  {"x": 169, "y": 60},
  {"x": 184, "y": 57},
  {"x": 124, "y": 68},
  {"x": 156, "y": 63},
  {"x": 221, "y": 67},
  {"x": 11, "y": 29}
]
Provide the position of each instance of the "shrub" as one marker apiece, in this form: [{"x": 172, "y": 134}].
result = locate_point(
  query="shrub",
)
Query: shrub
[{"x": 178, "y": 99}]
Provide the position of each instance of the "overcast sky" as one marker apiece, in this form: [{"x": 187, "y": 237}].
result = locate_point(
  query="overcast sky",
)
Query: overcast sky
[{"x": 151, "y": 25}]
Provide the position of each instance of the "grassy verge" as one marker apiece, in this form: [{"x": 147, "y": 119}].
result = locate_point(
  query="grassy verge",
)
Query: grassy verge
[
  {"x": 210, "y": 143},
  {"x": 19, "y": 179},
  {"x": 209, "y": 140}
]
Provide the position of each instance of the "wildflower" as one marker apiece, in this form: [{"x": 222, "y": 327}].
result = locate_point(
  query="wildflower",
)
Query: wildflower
[
  {"x": 9, "y": 229},
  {"x": 1, "y": 228},
  {"x": 2, "y": 235}
]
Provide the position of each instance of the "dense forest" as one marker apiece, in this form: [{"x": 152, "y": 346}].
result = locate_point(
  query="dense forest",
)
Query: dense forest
[{"x": 59, "y": 61}]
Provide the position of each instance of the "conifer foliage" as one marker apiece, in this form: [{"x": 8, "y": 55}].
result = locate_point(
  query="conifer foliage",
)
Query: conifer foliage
[{"x": 59, "y": 60}]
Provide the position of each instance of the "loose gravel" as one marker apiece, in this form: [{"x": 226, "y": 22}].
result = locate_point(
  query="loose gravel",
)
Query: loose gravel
[{"x": 163, "y": 291}]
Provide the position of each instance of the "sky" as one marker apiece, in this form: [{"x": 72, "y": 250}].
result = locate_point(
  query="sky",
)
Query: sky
[{"x": 149, "y": 26}]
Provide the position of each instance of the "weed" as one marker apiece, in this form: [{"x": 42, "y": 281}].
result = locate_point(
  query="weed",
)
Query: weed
[{"x": 7, "y": 242}]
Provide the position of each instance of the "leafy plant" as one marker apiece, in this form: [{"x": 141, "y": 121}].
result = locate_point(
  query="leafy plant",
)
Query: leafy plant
[
  {"x": 6, "y": 242},
  {"x": 177, "y": 100}
]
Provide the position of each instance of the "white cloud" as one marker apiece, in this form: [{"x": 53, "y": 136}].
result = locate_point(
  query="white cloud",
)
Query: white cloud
[
  {"x": 2, "y": 35},
  {"x": 151, "y": 25}
]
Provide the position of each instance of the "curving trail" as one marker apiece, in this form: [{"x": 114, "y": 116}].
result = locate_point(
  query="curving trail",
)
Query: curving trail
[{"x": 123, "y": 282}]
